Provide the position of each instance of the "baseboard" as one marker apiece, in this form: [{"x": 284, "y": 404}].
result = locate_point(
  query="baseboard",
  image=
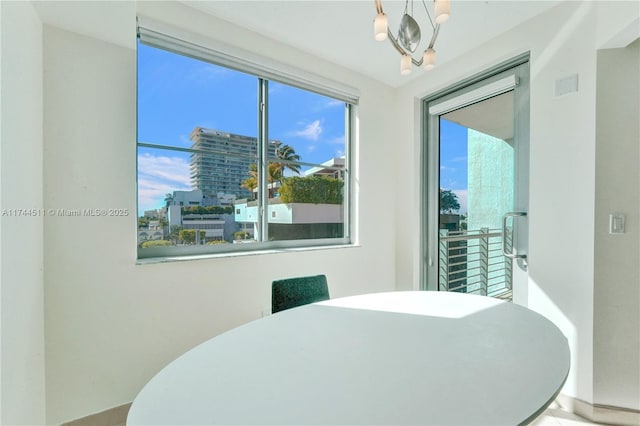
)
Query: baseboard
[
  {"x": 599, "y": 413},
  {"x": 111, "y": 417}
]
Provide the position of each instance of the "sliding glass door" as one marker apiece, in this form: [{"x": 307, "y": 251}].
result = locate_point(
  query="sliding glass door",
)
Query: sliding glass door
[{"x": 476, "y": 186}]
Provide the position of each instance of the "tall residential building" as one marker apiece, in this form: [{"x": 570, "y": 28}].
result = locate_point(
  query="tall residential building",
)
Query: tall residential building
[{"x": 227, "y": 165}]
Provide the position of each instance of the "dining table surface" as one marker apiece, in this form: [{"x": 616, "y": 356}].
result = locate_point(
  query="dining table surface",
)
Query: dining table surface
[{"x": 397, "y": 358}]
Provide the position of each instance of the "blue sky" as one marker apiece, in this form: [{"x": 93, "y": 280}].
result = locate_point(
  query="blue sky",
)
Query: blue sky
[
  {"x": 453, "y": 160},
  {"x": 177, "y": 94}
]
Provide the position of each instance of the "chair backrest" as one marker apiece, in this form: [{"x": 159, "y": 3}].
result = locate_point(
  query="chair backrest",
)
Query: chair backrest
[{"x": 291, "y": 292}]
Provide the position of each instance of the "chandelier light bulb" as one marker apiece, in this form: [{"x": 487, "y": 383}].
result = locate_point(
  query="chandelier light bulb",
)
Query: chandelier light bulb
[
  {"x": 380, "y": 25},
  {"x": 442, "y": 9},
  {"x": 429, "y": 59},
  {"x": 405, "y": 65}
]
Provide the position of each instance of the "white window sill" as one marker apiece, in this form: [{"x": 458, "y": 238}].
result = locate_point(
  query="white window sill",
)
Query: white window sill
[{"x": 165, "y": 259}]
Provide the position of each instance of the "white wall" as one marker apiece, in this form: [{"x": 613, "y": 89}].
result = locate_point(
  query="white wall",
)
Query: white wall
[
  {"x": 112, "y": 324},
  {"x": 617, "y": 266},
  {"x": 562, "y": 42},
  {"x": 22, "y": 291}
]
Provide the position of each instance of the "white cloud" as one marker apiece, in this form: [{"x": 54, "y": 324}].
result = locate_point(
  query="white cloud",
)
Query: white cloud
[
  {"x": 311, "y": 131},
  {"x": 339, "y": 140},
  {"x": 275, "y": 88},
  {"x": 333, "y": 103},
  {"x": 462, "y": 195},
  {"x": 158, "y": 176},
  {"x": 207, "y": 72}
]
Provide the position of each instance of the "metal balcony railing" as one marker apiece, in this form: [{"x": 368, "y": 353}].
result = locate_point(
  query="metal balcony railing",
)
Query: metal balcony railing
[{"x": 472, "y": 262}]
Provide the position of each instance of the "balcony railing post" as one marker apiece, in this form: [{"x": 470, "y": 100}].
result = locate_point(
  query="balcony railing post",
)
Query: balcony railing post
[
  {"x": 483, "y": 245},
  {"x": 443, "y": 284},
  {"x": 508, "y": 263}
]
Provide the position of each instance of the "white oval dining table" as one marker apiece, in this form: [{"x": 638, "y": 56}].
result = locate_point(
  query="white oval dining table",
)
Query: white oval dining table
[{"x": 400, "y": 358}]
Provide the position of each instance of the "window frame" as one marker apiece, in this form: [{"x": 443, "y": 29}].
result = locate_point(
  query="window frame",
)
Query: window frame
[{"x": 263, "y": 73}]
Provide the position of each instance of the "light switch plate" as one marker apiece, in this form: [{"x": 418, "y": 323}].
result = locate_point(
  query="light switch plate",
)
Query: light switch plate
[{"x": 616, "y": 223}]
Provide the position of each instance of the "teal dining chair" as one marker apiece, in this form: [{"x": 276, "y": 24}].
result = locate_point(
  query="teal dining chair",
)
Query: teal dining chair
[{"x": 291, "y": 292}]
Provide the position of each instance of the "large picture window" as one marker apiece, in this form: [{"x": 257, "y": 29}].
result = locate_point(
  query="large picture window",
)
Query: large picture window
[{"x": 231, "y": 161}]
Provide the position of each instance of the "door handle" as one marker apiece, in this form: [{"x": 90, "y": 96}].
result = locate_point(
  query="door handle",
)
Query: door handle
[{"x": 507, "y": 253}]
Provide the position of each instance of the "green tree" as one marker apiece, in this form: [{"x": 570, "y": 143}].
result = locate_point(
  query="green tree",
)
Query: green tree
[
  {"x": 168, "y": 199},
  {"x": 286, "y": 153},
  {"x": 174, "y": 233},
  {"x": 448, "y": 201},
  {"x": 250, "y": 183},
  {"x": 189, "y": 235},
  {"x": 143, "y": 222},
  {"x": 274, "y": 175}
]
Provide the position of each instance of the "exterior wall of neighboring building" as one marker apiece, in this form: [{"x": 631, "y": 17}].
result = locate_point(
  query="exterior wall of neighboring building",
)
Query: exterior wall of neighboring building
[
  {"x": 213, "y": 225},
  {"x": 327, "y": 169},
  {"x": 175, "y": 216},
  {"x": 490, "y": 189},
  {"x": 292, "y": 213},
  {"x": 490, "y": 172},
  {"x": 224, "y": 169},
  {"x": 187, "y": 198}
]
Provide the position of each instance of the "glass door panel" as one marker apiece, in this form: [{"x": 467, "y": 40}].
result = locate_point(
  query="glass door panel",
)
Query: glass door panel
[
  {"x": 476, "y": 185},
  {"x": 477, "y": 159}
]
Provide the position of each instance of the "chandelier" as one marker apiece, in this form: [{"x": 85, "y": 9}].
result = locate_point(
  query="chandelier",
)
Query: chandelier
[{"x": 409, "y": 33}]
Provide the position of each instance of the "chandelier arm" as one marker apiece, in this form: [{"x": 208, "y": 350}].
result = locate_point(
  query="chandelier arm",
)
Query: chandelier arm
[
  {"x": 428, "y": 15},
  {"x": 394, "y": 41},
  {"x": 436, "y": 29},
  {"x": 379, "y": 6}
]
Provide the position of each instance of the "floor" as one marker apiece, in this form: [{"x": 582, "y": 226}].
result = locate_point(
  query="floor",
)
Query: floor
[{"x": 555, "y": 416}]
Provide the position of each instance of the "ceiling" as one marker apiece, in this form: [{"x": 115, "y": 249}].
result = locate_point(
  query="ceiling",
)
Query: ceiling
[
  {"x": 339, "y": 31},
  {"x": 342, "y": 31}
]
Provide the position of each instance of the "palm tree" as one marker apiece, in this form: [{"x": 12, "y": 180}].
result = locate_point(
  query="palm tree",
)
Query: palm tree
[
  {"x": 274, "y": 175},
  {"x": 251, "y": 183},
  {"x": 168, "y": 199},
  {"x": 287, "y": 153}
]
